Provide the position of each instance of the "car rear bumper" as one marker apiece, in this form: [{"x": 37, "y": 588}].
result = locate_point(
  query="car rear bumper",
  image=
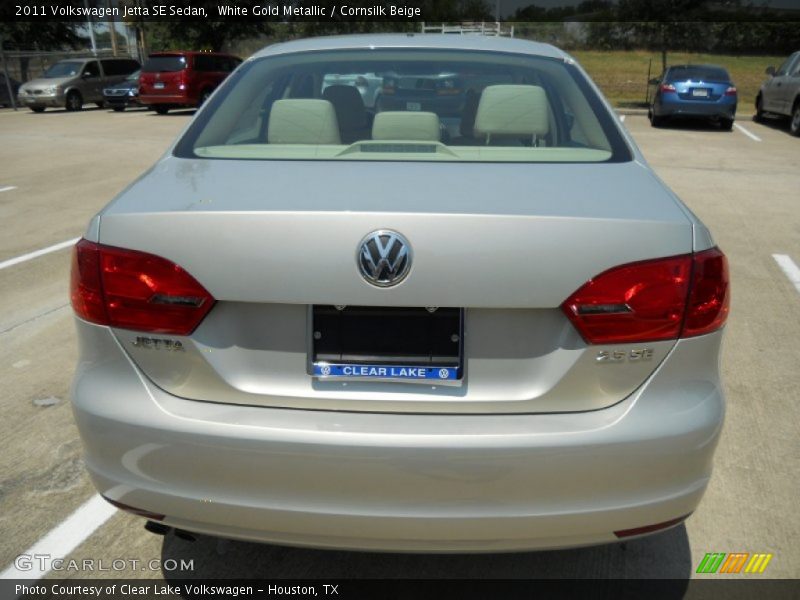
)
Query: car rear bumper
[
  {"x": 404, "y": 482},
  {"x": 171, "y": 100},
  {"x": 725, "y": 109}
]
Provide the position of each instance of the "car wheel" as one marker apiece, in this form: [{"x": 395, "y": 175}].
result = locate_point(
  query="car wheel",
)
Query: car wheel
[
  {"x": 203, "y": 97},
  {"x": 100, "y": 104},
  {"x": 759, "y": 116},
  {"x": 74, "y": 101},
  {"x": 726, "y": 124},
  {"x": 118, "y": 108},
  {"x": 162, "y": 110},
  {"x": 37, "y": 109},
  {"x": 794, "y": 124},
  {"x": 656, "y": 121}
]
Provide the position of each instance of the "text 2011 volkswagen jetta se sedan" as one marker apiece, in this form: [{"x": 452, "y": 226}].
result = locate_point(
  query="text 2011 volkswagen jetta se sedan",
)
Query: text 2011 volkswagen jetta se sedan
[{"x": 401, "y": 327}]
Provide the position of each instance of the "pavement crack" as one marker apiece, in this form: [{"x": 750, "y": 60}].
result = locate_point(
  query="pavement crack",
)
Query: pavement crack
[{"x": 34, "y": 318}]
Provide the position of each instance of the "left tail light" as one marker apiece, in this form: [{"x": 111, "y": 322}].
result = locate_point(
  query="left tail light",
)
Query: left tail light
[{"x": 135, "y": 290}]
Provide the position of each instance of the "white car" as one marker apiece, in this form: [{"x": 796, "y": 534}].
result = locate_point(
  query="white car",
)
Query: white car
[{"x": 307, "y": 328}]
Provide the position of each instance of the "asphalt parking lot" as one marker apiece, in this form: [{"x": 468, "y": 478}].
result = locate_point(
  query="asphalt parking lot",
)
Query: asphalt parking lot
[{"x": 58, "y": 168}]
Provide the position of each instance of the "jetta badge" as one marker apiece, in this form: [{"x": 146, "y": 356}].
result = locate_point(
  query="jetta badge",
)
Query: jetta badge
[{"x": 384, "y": 258}]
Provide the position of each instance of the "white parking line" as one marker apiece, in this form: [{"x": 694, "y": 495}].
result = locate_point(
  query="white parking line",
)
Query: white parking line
[
  {"x": 787, "y": 266},
  {"x": 8, "y": 188},
  {"x": 752, "y": 136},
  {"x": 60, "y": 541},
  {"x": 54, "y": 248}
]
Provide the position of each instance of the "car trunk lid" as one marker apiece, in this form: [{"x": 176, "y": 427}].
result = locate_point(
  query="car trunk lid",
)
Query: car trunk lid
[{"x": 506, "y": 243}]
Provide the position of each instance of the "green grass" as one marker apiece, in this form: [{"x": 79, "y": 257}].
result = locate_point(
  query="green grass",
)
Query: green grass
[{"x": 623, "y": 75}]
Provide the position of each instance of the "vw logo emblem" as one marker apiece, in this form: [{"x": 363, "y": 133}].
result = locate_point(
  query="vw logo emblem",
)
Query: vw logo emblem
[{"x": 384, "y": 258}]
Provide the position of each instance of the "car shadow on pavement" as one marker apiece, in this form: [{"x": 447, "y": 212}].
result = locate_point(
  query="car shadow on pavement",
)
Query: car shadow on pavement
[
  {"x": 780, "y": 124},
  {"x": 178, "y": 112},
  {"x": 662, "y": 556}
]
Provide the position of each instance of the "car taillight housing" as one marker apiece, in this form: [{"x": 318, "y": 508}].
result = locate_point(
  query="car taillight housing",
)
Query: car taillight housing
[
  {"x": 667, "y": 87},
  {"x": 662, "y": 299},
  {"x": 135, "y": 290},
  {"x": 731, "y": 91}
]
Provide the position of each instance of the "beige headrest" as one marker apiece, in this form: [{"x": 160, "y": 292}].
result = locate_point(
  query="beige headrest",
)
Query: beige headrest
[
  {"x": 512, "y": 110},
  {"x": 406, "y": 125},
  {"x": 303, "y": 121}
]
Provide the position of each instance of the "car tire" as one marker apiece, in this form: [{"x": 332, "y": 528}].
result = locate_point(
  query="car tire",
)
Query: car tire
[
  {"x": 100, "y": 104},
  {"x": 656, "y": 121},
  {"x": 162, "y": 110},
  {"x": 759, "y": 116},
  {"x": 37, "y": 109},
  {"x": 74, "y": 101},
  {"x": 726, "y": 124},
  {"x": 794, "y": 124},
  {"x": 203, "y": 97},
  {"x": 118, "y": 108}
]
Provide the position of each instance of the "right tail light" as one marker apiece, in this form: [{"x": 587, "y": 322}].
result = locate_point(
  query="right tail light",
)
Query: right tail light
[{"x": 662, "y": 299}]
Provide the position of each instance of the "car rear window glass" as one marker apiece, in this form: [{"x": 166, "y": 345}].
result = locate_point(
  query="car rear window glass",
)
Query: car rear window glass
[
  {"x": 698, "y": 74},
  {"x": 406, "y": 105},
  {"x": 164, "y": 64}
]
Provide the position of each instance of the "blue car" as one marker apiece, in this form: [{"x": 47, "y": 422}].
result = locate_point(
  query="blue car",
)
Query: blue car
[{"x": 696, "y": 91}]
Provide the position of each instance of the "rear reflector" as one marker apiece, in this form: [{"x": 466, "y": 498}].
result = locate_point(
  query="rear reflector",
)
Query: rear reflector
[
  {"x": 623, "y": 533},
  {"x": 653, "y": 300},
  {"x": 135, "y": 290}
]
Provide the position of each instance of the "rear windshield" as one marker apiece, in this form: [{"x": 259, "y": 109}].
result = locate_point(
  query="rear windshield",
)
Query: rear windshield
[
  {"x": 406, "y": 105},
  {"x": 63, "y": 69},
  {"x": 698, "y": 74},
  {"x": 164, "y": 64}
]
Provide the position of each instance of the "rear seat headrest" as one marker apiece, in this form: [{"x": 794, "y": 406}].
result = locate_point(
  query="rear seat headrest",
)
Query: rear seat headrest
[
  {"x": 405, "y": 125},
  {"x": 303, "y": 121},
  {"x": 512, "y": 110}
]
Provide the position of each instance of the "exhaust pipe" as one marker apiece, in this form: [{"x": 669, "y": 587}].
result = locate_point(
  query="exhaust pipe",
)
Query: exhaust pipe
[{"x": 157, "y": 528}]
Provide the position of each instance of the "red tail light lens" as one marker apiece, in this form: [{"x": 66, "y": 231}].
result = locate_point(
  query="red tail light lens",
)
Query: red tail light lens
[
  {"x": 731, "y": 91},
  {"x": 86, "y": 291},
  {"x": 653, "y": 300},
  {"x": 709, "y": 300},
  {"x": 667, "y": 87},
  {"x": 135, "y": 290}
]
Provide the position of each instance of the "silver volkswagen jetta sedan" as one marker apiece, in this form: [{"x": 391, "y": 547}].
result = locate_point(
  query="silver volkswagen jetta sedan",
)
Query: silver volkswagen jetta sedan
[{"x": 317, "y": 323}]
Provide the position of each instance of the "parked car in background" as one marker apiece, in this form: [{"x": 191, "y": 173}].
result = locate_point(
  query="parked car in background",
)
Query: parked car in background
[
  {"x": 123, "y": 94},
  {"x": 74, "y": 82},
  {"x": 182, "y": 79},
  {"x": 374, "y": 338},
  {"x": 694, "y": 91},
  {"x": 4, "y": 98},
  {"x": 780, "y": 94}
]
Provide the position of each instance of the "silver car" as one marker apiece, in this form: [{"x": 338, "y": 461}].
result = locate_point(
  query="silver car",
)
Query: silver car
[
  {"x": 780, "y": 94},
  {"x": 74, "y": 82},
  {"x": 499, "y": 332}
]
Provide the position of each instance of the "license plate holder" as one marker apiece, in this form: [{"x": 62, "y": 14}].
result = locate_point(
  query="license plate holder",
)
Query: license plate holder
[
  {"x": 159, "y": 85},
  {"x": 386, "y": 343},
  {"x": 699, "y": 93}
]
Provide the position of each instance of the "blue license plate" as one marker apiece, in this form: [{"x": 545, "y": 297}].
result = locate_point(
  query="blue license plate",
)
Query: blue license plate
[{"x": 404, "y": 372}]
